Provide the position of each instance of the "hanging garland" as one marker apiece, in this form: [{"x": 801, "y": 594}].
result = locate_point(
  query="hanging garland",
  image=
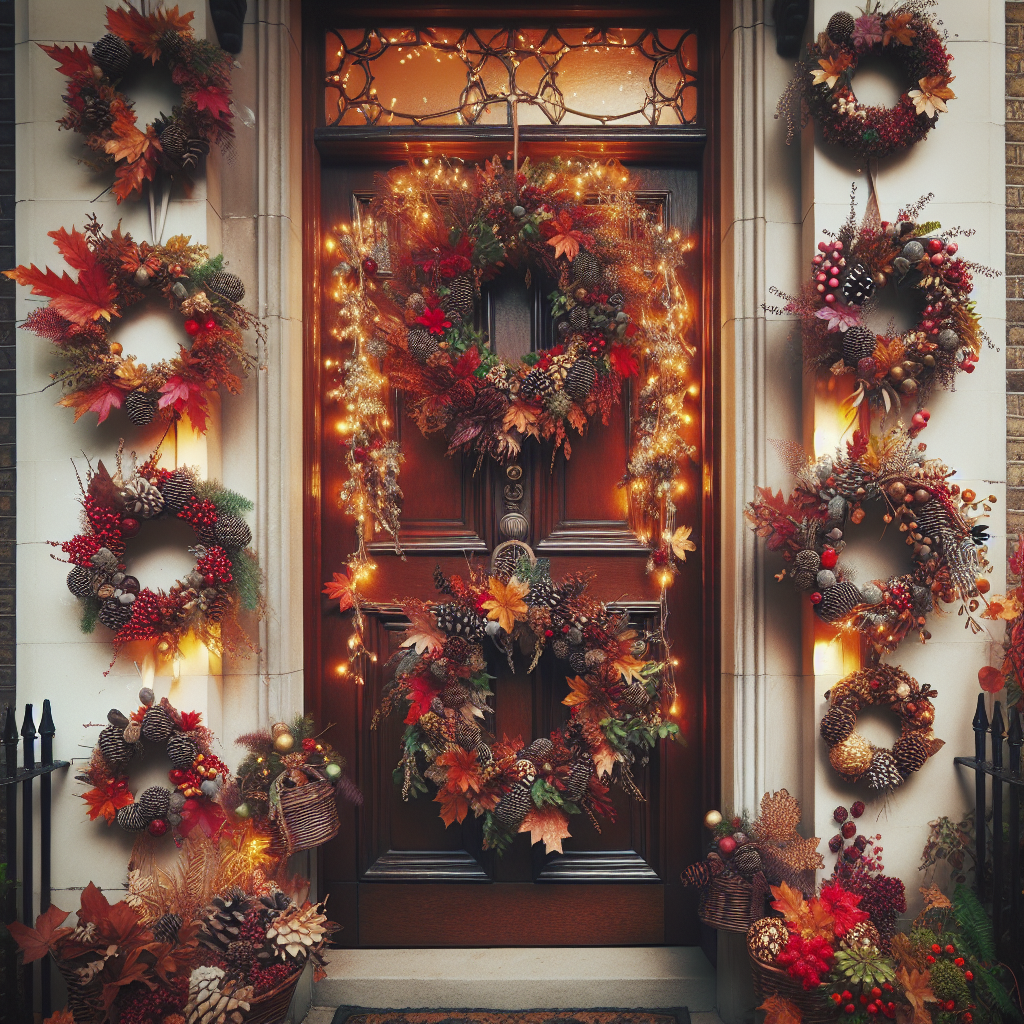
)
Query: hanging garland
[
  {"x": 225, "y": 581},
  {"x": 116, "y": 274},
  {"x": 889, "y": 687},
  {"x": 196, "y": 774},
  {"x": 98, "y": 111},
  {"x": 616, "y": 298},
  {"x": 851, "y": 271},
  {"x": 618, "y": 700},
  {"x": 947, "y": 546},
  {"x": 823, "y": 86}
]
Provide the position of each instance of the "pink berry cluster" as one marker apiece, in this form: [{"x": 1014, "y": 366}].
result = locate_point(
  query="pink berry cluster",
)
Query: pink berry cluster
[{"x": 828, "y": 265}]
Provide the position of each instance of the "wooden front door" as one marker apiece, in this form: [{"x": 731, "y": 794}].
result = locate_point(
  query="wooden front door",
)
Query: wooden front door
[{"x": 396, "y": 876}]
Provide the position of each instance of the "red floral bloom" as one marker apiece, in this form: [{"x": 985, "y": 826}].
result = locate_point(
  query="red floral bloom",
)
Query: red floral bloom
[
  {"x": 421, "y": 693},
  {"x": 435, "y": 320}
]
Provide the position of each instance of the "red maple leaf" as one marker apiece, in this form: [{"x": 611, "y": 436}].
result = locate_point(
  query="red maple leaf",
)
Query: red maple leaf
[
  {"x": 421, "y": 693},
  {"x": 187, "y": 397},
  {"x": 36, "y": 942},
  {"x": 108, "y": 397},
  {"x": 72, "y": 60},
  {"x": 106, "y": 800},
  {"x": 623, "y": 361},
  {"x": 467, "y": 363},
  {"x": 202, "y": 813},
  {"x": 143, "y": 33},
  {"x": 215, "y": 100}
]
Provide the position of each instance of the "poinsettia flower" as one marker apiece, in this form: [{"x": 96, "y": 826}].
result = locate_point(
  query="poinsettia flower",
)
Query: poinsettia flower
[
  {"x": 434, "y": 319},
  {"x": 680, "y": 541},
  {"x": 421, "y": 693},
  {"x": 830, "y": 68},
  {"x": 931, "y": 98},
  {"x": 340, "y": 589},
  {"x": 840, "y": 317},
  {"x": 867, "y": 31},
  {"x": 623, "y": 361},
  {"x": 844, "y": 906},
  {"x": 505, "y": 604}
]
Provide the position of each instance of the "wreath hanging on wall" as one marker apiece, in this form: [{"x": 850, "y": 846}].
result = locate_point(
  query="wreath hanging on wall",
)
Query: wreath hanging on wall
[
  {"x": 848, "y": 274},
  {"x": 823, "y": 86},
  {"x": 617, "y": 701},
  {"x": 98, "y": 111},
  {"x": 196, "y": 774},
  {"x": 617, "y": 302},
  {"x": 224, "y": 583},
  {"x": 947, "y": 543},
  {"x": 115, "y": 275},
  {"x": 851, "y": 754}
]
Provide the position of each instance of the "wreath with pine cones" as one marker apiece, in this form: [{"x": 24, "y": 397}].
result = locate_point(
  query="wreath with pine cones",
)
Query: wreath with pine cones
[
  {"x": 617, "y": 308},
  {"x": 941, "y": 523},
  {"x": 823, "y": 86},
  {"x": 115, "y": 275},
  {"x": 848, "y": 274},
  {"x": 858, "y": 760},
  {"x": 208, "y": 603},
  {"x": 98, "y": 111},
  {"x": 196, "y": 774},
  {"x": 618, "y": 701}
]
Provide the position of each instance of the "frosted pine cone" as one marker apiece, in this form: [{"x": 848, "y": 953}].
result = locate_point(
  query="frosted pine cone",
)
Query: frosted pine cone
[
  {"x": 214, "y": 998},
  {"x": 297, "y": 931}
]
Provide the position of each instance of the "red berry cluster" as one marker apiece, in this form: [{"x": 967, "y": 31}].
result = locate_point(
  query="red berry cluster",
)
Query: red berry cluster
[
  {"x": 105, "y": 523},
  {"x": 80, "y": 549},
  {"x": 138, "y": 1004},
  {"x": 147, "y": 614},
  {"x": 263, "y": 979},
  {"x": 898, "y": 595},
  {"x": 827, "y": 266},
  {"x": 199, "y": 512},
  {"x": 807, "y": 959},
  {"x": 253, "y": 930},
  {"x": 876, "y": 1002},
  {"x": 215, "y": 567}
]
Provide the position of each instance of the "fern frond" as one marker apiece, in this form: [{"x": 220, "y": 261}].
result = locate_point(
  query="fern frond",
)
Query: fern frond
[
  {"x": 974, "y": 924},
  {"x": 997, "y": 993}
]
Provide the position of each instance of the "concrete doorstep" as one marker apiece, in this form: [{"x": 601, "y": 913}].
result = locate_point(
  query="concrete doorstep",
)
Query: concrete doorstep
[{"x": 517, "y": 979}]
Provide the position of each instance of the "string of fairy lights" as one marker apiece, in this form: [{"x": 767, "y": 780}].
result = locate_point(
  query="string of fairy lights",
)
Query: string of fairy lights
[{"x": 651, "y": 343}]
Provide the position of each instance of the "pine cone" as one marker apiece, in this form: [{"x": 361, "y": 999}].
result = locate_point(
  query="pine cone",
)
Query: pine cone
[
  {"x": 454, "y": 694},
  {"x": 455, "y": 620},
  {"x": 514, "y": 806},
  {"x": 113, "y": 747},
  {"x": 141, "y": 498},
  {"x": 195, "y": 150},
  {"x": 113, "y": 614},
  {"x": 214, "y": 998},
  {"x": 858, "y": 343},
  {"x": 181, "y": 751},
  {"x": 883, "y": 772},
  {"x": 80, "y": 581},
  {"x": 178, "y": 490},
  {"x": 460, "y": 298},
  {"x": 910, "y": 752},
  {"x": 747, "y": 861},
  {"x": 131, "y": 818},
  {"x": 634, "y": 696},
  {"x": 580, "y": 379},
  {"x": 112, "y": 55},
  {"x": 837, "y": 724},
  {"x": 422, "y": 345},
  {"x": 232, "y": 533},
  {"x": 157, "y": 724},
  {"x": 698, "y": 875},
  {"x": 240, "y": 955},
  {"x": 297, "y": 931},
  {"x": 579, "y": 318},
  {"x": 467, "y": 734},
  {"x": 840, "y": 27},
  {"x": 808, "y": 560},
  {"x": 540, "y": 749},
  {"x": 579, "y": 779},
  {"x": 140, "y": 407},
  {"x": 227, "y": 285},
  {"x": 857, "y": 286},
  {"x": 586, "y": 269},
  {"x": 535, "y": 384},
  {"x": 456, "y": 650},
  {"x": 838, "y": 601},
  {"x": 173, "y": 139},
  {"x": 222, "y": 920},
  {"x": 154, "y": 803},
  {"x": 165, "y": 928}
]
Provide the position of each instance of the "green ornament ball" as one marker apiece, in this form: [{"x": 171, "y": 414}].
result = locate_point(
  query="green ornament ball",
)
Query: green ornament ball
[
  {"x": 332, "y": 770},
  {"x": 242, "y": 811}
]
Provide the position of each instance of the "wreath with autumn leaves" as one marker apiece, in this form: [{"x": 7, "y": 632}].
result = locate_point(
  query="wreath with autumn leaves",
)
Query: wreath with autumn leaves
[
  {"x": 618, "y": 702},
  {"x": 115, "y": 275},
  {"x": 824, "y": 81},
  {"x": 105, "y": 118}
]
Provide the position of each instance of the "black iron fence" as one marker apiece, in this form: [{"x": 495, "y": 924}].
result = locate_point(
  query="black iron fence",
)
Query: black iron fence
[
  {"x": 18, "y": 1005},
  {"x": 998, "y": 877}
]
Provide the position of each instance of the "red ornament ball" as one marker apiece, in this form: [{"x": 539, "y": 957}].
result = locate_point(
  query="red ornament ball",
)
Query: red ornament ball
[
  {"x": 191, "y": 327},
  {"x": 727, "y": 846},
  {"x": 370, "y": 266},
  {"x": 829, "y": 557},
  {"x": 157, "y": 827},
  {"x": 129, "y": 527},
  {"x": 210, "y": 324}
]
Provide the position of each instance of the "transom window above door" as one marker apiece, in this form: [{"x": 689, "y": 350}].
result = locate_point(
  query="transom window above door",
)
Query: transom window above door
[{"x": 600, "y": 77}]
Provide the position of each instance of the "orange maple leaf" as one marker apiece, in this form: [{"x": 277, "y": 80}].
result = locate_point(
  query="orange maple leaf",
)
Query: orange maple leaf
[
  {"x": 897, "y": 28},
  {"x": 780, "y": 1011},
  {"x": 580, "y": 693},
  {"x": 549, "y": 826},
  {"x": 630, "y": 667},
  {"x": 463, "y": 770},
  {"x": 143, "y": 33},
  {"x": 454, "y": 806},
  {"x": 107, "y": 803},
  {"x": 567, "y": 240},
  {"x": 90, "y": 297},
  {"x": 789, "y": 902},
  {"x": 577, "y": 417},
  {"x": 521, "y": 417},
  {"x": 129, "y": 143},
  {"x": 73, "y": 60},
  {"x": 422, "y": 634},
  {"x": 917, "y": 990},
  {"x": 36, "y": 942},
  {"x": 830, "y": 69},
  {"x": 505, "y": 604}
]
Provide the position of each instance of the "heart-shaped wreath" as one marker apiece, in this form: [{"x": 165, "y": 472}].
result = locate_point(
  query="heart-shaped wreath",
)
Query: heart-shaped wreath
[
  {"x": 618, "y": 702},
  {"x": 823, "y": 86},
  {"x": 224, "y": 582},
  {"x": 196, "y": 774},
  {"x": 941, "y": 522},
  {"x": 103, "y": 115},
  {"x": 116, "y": 274}
]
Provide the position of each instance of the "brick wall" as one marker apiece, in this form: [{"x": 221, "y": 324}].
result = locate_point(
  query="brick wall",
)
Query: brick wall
[{"x": 1014, "y": 267}]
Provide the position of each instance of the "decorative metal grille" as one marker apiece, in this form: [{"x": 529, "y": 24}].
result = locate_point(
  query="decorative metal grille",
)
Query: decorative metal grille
[{"x": 474, "y": 76}]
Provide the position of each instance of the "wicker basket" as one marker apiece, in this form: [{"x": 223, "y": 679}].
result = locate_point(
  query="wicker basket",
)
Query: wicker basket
[
  {"x": 731, "y": 903},
  {"x": 272, "y": 1006},
  {"x": 772, "y": 980},
  {"x": 85, "y": 1002},
  {"x": 308, "y": 815}
]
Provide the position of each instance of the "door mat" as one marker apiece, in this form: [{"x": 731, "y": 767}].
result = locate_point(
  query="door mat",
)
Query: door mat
[{"x": 361, "y": 1015}]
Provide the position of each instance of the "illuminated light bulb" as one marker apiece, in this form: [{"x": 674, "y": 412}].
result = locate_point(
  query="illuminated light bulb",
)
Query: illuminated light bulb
[{"x": 342, "y": 670}]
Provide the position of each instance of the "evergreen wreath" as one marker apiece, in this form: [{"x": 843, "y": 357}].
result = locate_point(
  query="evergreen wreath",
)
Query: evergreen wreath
[
  {"x": 848, "y": 274},
  {"x": 116, "y": 274},
  {"x": 617, "y": 699},
  {"x": 854, "y": 757},
  {"x": 618, "y": 307},
  {"x": 948, "y": 547},
  {"x": 824, "y": 79},
  {"x": 196, "y": 774},
  {"x": 225, "y": 581},
  {"x": 103, "y": 115}
]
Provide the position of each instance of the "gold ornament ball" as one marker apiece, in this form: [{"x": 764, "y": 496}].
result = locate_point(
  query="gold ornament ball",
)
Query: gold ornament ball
[
  {"x": 767, "y": 938},
  {"x": 279, "y": 728},
  {"x": 712, "y": 818},
  {"x": 851, "y": 757},
  {"x": 284, "y": 742}
]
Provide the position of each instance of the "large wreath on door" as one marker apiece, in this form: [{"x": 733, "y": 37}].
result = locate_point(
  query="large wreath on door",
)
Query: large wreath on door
[
  {"x": 618, "y": 699},
  {"x": 408, "y": 283}
]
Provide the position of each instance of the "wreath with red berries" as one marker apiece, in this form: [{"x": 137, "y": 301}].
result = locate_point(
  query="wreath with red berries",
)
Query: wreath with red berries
[
  {"x": 98, "y": 111},
  {"x": 196, "y": 774},
  {"x": 849, "y": 272},
  {"x": 824, "y": 80},
  {"x": 858, "y": 760},
  {"x": 947, "y": 546},
  {"x": 208, "y": 603},
  {"x": 116, "y": 274}
]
